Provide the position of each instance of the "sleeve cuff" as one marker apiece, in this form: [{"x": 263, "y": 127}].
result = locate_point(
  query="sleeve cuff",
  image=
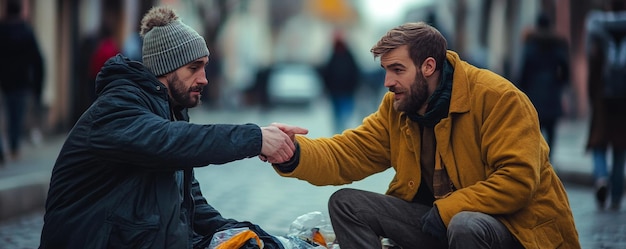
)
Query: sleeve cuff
[{"x": 289, "y": 166}]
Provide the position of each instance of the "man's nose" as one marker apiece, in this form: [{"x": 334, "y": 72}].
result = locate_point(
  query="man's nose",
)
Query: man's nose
[
  {"x": 203, "y": 80},
  {"x": 389, "y": 81}
]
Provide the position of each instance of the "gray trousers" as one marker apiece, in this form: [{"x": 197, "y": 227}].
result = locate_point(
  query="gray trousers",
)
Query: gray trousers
[{"x": 360, "y": 219}]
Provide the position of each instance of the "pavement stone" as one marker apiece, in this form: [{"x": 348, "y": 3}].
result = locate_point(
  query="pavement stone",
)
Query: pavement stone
[
  {"x": 22, "y": 232},
  {"x": 24, "y": 183}
]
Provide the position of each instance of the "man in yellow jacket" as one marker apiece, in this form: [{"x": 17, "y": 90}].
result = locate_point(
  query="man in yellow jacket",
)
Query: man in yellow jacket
[{"x": 472, "y": 168}]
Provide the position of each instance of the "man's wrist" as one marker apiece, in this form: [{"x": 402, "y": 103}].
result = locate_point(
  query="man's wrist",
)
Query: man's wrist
[{"x": 290, "y": 166}]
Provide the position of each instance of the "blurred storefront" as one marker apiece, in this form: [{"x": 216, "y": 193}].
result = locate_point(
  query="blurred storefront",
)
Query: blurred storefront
[{"x": 487, "y": 32}]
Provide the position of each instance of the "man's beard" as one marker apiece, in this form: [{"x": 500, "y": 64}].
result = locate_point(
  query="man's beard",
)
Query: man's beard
[
  {"x": 180, "y": 94},
  {"x": 418, "y": 94}
]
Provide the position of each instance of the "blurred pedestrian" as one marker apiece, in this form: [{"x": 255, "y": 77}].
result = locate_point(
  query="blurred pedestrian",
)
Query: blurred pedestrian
[
  {"x": 131, "y": 43},
  {"x": 21, "y": 73},
  {"x": 545, "y": 73},
  {"x": 107, "y": 47},
  {"x": 471, "y": 166},
  {"x": 95, "y": 49},
  {"x": 131, "y": 47},
  {"x": 109, "y": 43},
  {"x": 341, "y": 76},
  {"x": 606, "y": 48},
  {"x": 124, "y": 177}
]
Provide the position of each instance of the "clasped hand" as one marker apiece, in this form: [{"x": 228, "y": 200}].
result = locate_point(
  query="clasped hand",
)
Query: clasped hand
[{"x": 279, "y": 142}]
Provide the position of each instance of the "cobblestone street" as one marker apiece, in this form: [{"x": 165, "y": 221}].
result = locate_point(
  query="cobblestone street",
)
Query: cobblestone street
[
  {"x": 21, "y": 232},
  {"x": 597, "y": 229}
]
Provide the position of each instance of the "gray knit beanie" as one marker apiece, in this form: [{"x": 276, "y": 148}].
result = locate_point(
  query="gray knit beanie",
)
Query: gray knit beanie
[{"x": 168, "y": 43}]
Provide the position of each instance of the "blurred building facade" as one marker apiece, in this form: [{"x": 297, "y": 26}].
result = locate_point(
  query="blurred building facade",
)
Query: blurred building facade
[{"x": 486, "y": 32}]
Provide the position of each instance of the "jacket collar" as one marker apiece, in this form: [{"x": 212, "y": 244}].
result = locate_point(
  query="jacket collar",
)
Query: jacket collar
[
  {"x": 439, "y": 100},
  {"x": 460, "y": 100}
]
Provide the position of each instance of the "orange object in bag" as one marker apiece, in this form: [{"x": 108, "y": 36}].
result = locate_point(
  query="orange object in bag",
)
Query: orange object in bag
[
  {"x": 317, "y": 237},
  {"x": 240, "y": 239}
]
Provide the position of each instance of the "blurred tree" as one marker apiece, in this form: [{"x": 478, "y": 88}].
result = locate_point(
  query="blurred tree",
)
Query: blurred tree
[
  {"x": 213, "y": 14},
  {"x": 460, "y": 15}
]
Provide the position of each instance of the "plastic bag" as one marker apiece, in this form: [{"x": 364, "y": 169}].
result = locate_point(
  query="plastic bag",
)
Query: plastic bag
[
  {"x": 233, "y": 238},
  {"x": 312, "y": 227},
  {"x": 293, "y": 242}
]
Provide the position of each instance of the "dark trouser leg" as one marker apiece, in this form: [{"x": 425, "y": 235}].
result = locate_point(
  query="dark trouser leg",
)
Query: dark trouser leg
[
  {"x": 470, "y": 230},
  {"x": 361, "y": 218},
  {"x": 16, "y": 110},
  {"x": 617, "y": 178},
  {"x": 600, "y": 174},
  {"x": 549, "y": 125}
]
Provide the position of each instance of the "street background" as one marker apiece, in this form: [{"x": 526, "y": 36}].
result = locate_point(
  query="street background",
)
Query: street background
[{"x": 246, "y": 37}]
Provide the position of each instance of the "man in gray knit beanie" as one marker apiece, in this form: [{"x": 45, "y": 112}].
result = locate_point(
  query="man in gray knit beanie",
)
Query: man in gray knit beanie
[
  {"x": 168, "y": 43},
  {"x": 125, "y": 175}
]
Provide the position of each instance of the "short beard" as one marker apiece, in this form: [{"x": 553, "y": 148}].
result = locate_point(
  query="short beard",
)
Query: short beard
[
  {"x": 179, "y": 93},
  {"x": 418, "y": 94}
]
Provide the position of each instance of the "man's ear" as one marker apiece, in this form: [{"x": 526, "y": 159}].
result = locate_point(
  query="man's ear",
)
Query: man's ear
[
  {"x": 428, "y": 66},
  {"x": 163, "y": 79}
]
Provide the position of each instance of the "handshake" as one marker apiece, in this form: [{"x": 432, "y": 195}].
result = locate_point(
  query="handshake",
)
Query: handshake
[{"x": 279, "y": 142}]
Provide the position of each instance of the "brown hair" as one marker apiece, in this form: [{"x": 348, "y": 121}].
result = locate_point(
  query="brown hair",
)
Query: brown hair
[{"x": 423, "y": 40}]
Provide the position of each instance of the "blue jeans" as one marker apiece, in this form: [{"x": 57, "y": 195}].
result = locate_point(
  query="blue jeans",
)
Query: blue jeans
[
  {"x": 15, "y": 102},
  {"x": 616, "y": 177},
  {"x": 343, "y": 108},
  {"x": 360, "y": 218}
]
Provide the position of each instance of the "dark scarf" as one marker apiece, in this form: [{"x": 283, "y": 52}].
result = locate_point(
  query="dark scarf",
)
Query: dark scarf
[{"x": 439, "y": 101}]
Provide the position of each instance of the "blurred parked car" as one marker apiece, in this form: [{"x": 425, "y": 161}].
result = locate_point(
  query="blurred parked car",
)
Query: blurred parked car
[{"x": 294, "y": 83}]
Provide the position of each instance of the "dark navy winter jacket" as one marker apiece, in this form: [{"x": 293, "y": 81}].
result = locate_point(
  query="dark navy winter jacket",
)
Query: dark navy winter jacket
[{"x": 124, "y": 177}]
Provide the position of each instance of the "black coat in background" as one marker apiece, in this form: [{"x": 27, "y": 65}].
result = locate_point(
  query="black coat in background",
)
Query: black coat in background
[
  {"x": 545, "y": 72},
  {"x": 341, "y": 73},
  {"x": 544, "y": 75},
  {"x": 21, "y": 66}
]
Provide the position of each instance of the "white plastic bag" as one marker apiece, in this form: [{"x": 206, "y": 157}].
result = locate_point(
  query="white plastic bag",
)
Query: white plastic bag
[
  {"x": 309, "y": 225},
  {"x": 293, "y": 242}
]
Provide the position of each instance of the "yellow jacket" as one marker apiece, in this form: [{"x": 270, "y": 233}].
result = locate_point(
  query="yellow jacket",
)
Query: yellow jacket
[{"x": 490, "y": 144}]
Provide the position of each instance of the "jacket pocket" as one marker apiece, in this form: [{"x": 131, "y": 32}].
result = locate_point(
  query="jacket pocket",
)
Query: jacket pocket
[
  {"x": 127, "y": 233},
  {"x": 548, "y": 235}
]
